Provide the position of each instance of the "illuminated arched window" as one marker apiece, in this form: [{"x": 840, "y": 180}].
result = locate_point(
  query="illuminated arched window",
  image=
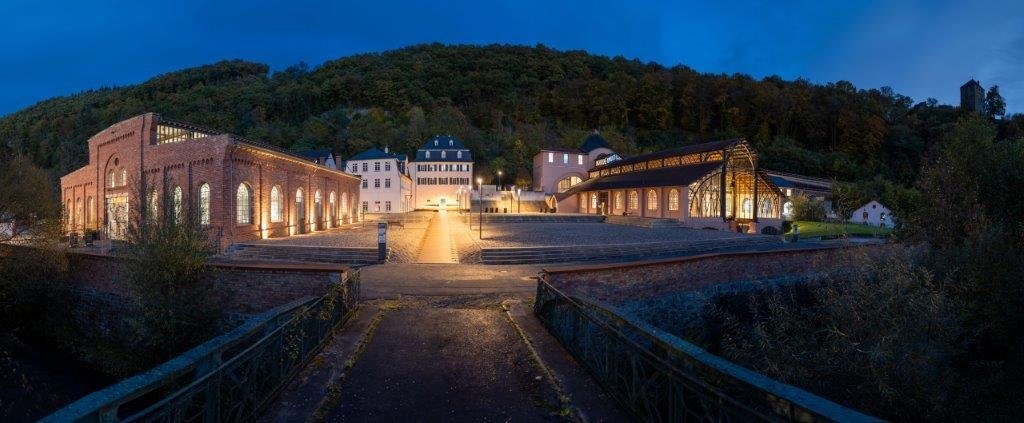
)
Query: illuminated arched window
[
  {"x": 152, "y": 206},
  {"x": 787, "y": 209},
  {"x": 748, "y": 209},
  {"x": 332, "y": 208},
  {"x": 652, "y": 199},
  {"x": 111, "y": 182},
  {"x": 79, "y": 212},
  {"x": 568, "y": 182},
  {"x": 124, "y": 177},
  {"x": 243, "y": 204},
  {"x": 176, "y": 204},
  {"x": 344, "y": 204},
  {"x": 90, "y": 207},
  {"x": 204, "y": 204},
  {"x": 673, "y": 200},
  {"x": 634, "y": 200},
  {"x": 618, "y": 200},
  {"x": 275, "y": 204},
  {"x": 593, "y": 201}
]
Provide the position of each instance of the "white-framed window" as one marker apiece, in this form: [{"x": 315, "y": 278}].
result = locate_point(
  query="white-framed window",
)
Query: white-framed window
[
  {"x": 366, "y": 183},
  {"x": 427, "y": 153},
  {"x": 366, "y": 166},
  {"x": 355, "y": 168},
  {"x": 451, "y": 143},
  {"x": 176, "y": 204},
  {"x": 565, "y": 158},
  {"x": 442, "y": 154},
  {"x": 551, "y": 157},
  {"x": 366, "y": 206},
  {"x": 652, "y": 200},
  {"x": 243, "y": 204},
  {"x": 387, "y": 166},
  {"x": 204, "y": 204},
  {"x": 275, "y": 204},
  {"x": 579, "y": 159},
  {"x": 376, "y": 183},
  {"x": 387, "y": 182},
  {"x": 458, "y": 154},
  {"x": 376, "y": 166},
  {"x": 387, "y": 206},
  {"x": 673, "y": 200}
]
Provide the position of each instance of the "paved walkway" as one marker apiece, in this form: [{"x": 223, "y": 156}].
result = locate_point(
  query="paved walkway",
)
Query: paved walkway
[
  {"x": 395, "y": 280},
  {"x": 437, "y": 245}
]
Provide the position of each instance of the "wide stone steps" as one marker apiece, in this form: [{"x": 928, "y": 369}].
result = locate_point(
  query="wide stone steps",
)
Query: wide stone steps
[
  {"x": 618, "y": 252},
  {"x": 537, "y": 218},
  {"x": 351, "y": 256},
  {"x": 643, "y": 222}
]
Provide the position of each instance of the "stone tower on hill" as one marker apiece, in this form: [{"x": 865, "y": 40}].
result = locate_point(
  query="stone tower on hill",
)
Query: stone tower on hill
[{"x": 972, "y": 96}]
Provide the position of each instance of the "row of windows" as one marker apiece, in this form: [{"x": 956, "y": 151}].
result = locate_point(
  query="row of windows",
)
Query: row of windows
[
  {"x": 376, "y": 183},
  {"x": 112, "y": 180},
  {"x": 565, "y": 158},
  {"x": 376, "y": 206},
  {"x": 634, "y": 200},
  {"x": 442, "y": 181},
  {"x": 444, "y": 155},
  {"x": 443, "y": 168},
  {"x": 243, "y": 203},
  {"x": 366, "y": 166}
]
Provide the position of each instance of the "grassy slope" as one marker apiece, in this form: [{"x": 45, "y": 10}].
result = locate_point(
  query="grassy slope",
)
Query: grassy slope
[{"x": 816, "y": 229}]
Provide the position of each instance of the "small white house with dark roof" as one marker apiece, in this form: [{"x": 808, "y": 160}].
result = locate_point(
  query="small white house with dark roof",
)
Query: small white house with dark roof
[
  {"x": 386, "y": 186},
  {"x": 874, "y": 214},
  {"x": 442, "y": 174}
]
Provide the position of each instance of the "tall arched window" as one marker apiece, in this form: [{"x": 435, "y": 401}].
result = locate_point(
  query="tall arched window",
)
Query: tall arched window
[
  {"x": 151, "y": 207},
  {"x": 243, "y": 204},
  {"x": 618, "y": 200},
  {"x": 332, "y": 210},
  {"x": 79, "y": 212},
  {"x": 568, "y": 182},
  {"x": 748, "y": 208},
  {"x": 673, "y": 200},
  {"x": 111, "y": 182},
  {"x": 300, "y": 208},
  {"x": 90, "y": 206},
  {"x": 344, "y": 204},
  {"x": 652, "y": 199},
  {"x": 204, "y": 204},
  {"x": 275, "y": 204},
  {"x": 124, "y": 177},
  {"x": 593, "y": 201},
  {"x": 176, "y": 204},
  {"x": 634, "y": 200}
]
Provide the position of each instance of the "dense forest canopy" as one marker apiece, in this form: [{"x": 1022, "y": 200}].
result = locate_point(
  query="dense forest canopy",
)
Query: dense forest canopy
[{"x": 505, "y": 102}]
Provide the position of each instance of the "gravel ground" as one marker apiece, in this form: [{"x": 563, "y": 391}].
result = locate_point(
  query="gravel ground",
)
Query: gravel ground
[{"x": 558, "y": 234}]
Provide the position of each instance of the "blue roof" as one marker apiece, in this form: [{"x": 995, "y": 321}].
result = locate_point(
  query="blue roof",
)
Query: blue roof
[
  {"x": 376, "y": 153},
  {"x": 593, "y": 142},
  {"x": 448, "y": 144},
  {"x": 314, "y": 154}
]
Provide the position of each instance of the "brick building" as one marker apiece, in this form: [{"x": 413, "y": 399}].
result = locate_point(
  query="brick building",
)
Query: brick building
[{"x": 241, "y": 190}]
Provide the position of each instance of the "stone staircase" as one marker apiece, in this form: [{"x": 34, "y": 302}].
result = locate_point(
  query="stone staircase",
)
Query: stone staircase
[
  {"x": 622, "y": 252},
  {"x": 643, "y": 222},
  {"x": 350, "y": 256},
  {"x": 537, "y": 218}
]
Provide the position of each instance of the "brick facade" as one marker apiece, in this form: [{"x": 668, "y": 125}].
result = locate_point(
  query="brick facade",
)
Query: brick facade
[{"x": 147, "y": 155}]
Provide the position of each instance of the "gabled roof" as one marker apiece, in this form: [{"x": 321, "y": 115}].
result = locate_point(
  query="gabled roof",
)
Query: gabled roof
[
  {"x": 443, "y": 142},
  {"x": 970, "y": 83},
  {"x": 376, "y": 153},
  {"x": 593, "y": 142},
  {"x": 448, "y": 144},
  {"x": 665, "y": 176},
  {"x": 689, "y": 149}
]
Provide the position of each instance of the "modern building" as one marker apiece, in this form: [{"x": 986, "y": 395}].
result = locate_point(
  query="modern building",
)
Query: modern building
[
  {"x": 147, "y": 167},
  {"x": 972, "y": 96},
  {"x": 713, "y": 185},
  {"x": 441, "y": 172},
  {"x": 874, "y": 214},
  {"x": 386, "y": 186},
  {"x": 558, "y": 169}
]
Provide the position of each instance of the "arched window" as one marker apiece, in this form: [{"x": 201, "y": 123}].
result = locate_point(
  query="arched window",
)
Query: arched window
[
  {"x": 767, "y": 208},
  {"x": 634, "y": 200},
  {"x": 332, "y": 211},
  {"x": 111, "y": 182},
  {"x": 652, "y": 199},
  {"x": 176, "y": 204},
  {"x": 593, "y": 201},
  {"x": 151, "y": 207},
  {"x": 344, "y": 204},
  {"x": 747, "y": 210},
  {"x": 568, "y": 182},
  {"x": 300, "y": 207},
  {"x": 673, "y": 200},
  {"x": 90, "y": 205},
  {"x": 124, "y": 177},
  {"x": 243, "y": 204},
  {"x": 618, "y": 200},
  {"x": 79, "y": 211},
  {"x": 318, "y": 209},
  {"x": 787, "y": 209},
  {"x": 204, "y": 204},
  {"x": 275, "y": 204}
]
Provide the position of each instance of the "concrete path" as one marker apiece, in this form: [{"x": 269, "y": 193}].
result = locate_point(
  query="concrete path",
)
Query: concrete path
[
  {"x": 437, "y": 245},
  {"x": 395, "y": 280}
]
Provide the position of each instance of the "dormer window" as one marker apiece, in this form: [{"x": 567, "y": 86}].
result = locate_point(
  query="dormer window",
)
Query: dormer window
[
  {"x": 442, "y": 154},
  {"x": 459, "y": 154},
  {"x": 428, "y": 152},
  {"x": 451, "y": 143},
  {"x": 435, "y": 143}
]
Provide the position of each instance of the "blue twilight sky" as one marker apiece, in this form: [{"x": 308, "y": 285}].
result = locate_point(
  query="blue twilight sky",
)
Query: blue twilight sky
[{"x": 920, "y": 48}]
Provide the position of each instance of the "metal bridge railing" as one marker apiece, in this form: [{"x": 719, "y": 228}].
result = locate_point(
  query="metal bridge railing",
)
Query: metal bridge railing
[
  {"x": 659, "y": 377},
  {"x": 229, "y": 378}
]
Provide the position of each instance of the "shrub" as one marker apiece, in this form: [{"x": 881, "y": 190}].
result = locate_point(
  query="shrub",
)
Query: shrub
[{"x": 808, "y": 209}]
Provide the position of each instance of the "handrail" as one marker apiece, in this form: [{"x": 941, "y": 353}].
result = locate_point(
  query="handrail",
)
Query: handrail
[
  {"x": 297, "y": 329},
  {"x": 707, "y": 375}
]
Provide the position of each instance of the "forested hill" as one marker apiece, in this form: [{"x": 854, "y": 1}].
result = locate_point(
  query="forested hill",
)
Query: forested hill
[{"x": 506, "y": 102}]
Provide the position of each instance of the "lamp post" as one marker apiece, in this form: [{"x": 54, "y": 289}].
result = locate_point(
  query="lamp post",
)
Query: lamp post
[
  {"x": 519, "y": 200},
  {"x": 511, "y": 193},
  {"x": 499, "y": 179},
  {"x": 480, "y": 194}
]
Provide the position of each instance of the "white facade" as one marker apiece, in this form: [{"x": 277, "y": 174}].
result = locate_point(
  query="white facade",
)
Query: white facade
[
  {"x": 385, "y": 186},
  {"x": 873, "y": 213},
  {"x": 442, "y": 174}
]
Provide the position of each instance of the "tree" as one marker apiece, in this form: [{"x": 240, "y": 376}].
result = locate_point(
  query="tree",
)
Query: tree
[
  {"x": 994, "y": 103},
  {"x": 27, "y": 201}
]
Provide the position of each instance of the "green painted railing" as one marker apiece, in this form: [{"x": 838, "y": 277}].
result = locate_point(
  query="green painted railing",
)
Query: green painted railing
[
  {"x": 229, "y": 378},
  {"x": 659, "y": 377}
]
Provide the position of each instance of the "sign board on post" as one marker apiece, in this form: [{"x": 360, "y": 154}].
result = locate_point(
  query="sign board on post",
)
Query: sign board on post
[{"x": 382, "y": 241}]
